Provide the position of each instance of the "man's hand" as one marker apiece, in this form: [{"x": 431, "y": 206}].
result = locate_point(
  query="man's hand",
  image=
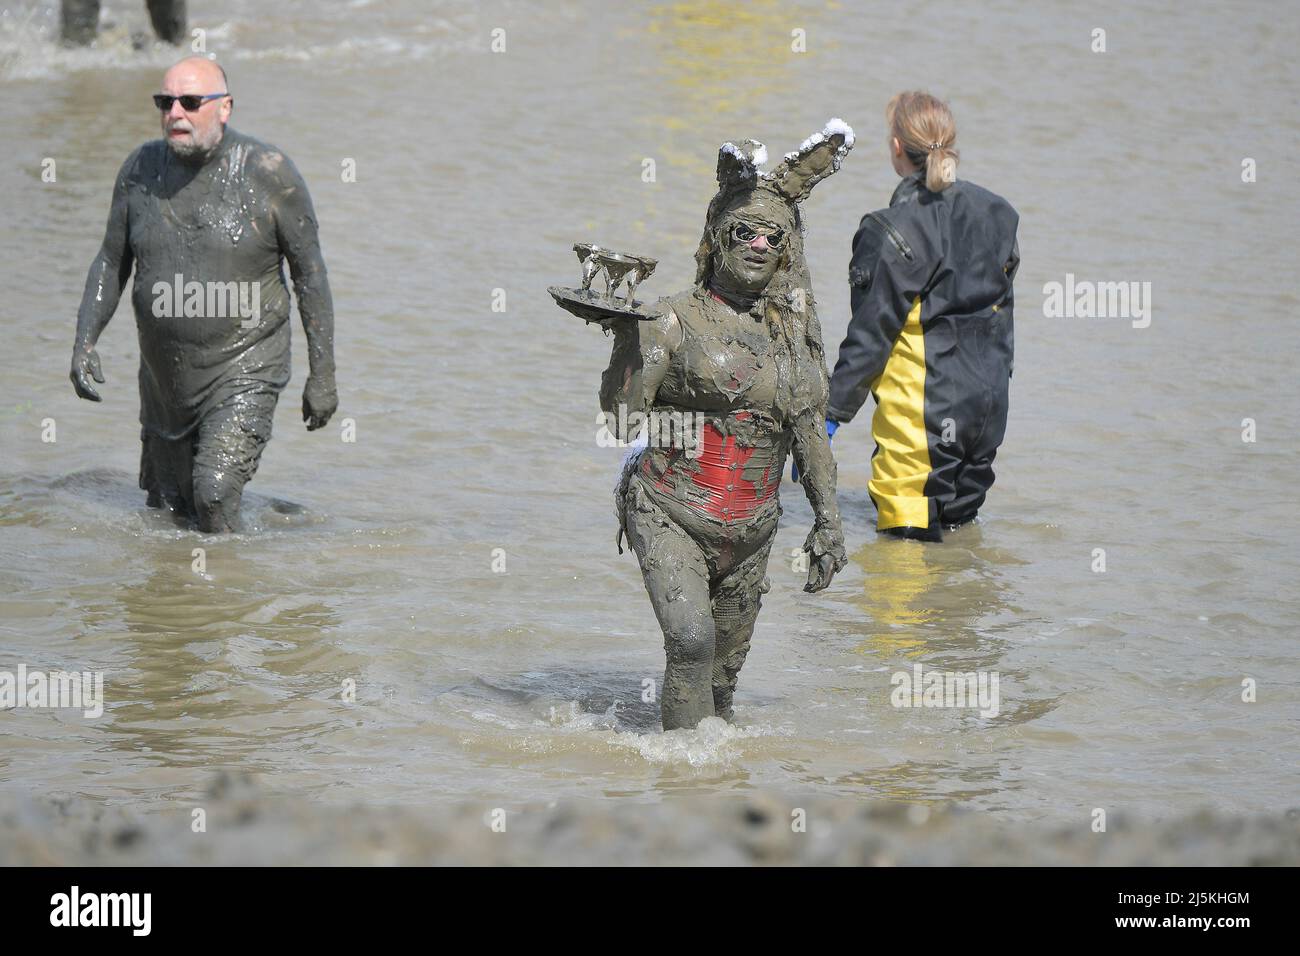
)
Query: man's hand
[
  {"x": 319, "y": 402},
  {"x": 85, "y": 366}
]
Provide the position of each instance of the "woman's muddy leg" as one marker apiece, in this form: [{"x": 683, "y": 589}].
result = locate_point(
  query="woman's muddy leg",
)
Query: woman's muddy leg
[
  {"x": 735, "y": 609},
  {"x": 680, "y": 595},
  {"x": 677, "y": 580}
]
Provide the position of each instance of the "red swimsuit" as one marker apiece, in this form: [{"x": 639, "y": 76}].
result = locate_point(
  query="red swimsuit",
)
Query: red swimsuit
[{"x": 719, "y": 487}]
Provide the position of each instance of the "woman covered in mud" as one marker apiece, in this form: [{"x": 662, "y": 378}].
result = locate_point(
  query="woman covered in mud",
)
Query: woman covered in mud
[{"x": 741, "y": 349}]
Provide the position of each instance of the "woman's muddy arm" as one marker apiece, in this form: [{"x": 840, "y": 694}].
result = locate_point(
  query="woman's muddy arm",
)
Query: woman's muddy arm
[
  {"x": 637, "y": 366},
  {"x": 105, "y": 282},
  {"x": 817, "y": 473}
]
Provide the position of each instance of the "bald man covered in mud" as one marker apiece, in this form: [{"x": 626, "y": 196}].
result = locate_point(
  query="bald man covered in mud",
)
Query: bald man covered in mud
[{"x": 206, "y": 216}]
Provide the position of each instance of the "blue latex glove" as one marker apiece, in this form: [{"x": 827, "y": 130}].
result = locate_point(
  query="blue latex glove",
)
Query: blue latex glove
[{"x": 831, "y": 426}]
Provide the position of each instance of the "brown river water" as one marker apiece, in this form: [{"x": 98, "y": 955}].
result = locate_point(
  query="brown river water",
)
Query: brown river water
[{"x": 514, "y": 675}]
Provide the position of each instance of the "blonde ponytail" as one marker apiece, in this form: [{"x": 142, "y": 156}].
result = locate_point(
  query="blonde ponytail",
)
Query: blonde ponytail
[{"x": 923, "y": 124}]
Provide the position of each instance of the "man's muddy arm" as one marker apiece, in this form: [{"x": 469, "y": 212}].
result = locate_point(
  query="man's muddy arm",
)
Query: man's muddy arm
[
  {"x": 817, "y": 474},
  {"x": 105, "y": 282},
  {"x": 637, "y": 366},
  {"x": 296, "y": 229}
]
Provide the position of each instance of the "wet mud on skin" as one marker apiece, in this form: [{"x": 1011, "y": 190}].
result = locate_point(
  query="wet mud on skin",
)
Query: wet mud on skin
[
  {"x": 741, "y": 349},
  {"x": 705, "y": 584},
  {"x": 209, "y": 383}
]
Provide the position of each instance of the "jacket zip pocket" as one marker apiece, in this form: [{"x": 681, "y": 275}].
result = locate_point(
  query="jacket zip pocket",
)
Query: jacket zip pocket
[{"x": 894, "y": 235}]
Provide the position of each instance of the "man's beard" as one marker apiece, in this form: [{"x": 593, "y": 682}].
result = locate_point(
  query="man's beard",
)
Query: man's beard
[{"x": 196, "y": 150}]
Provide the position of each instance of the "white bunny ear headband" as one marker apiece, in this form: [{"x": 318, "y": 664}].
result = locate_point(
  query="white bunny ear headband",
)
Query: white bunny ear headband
[{"x": 819, "y": 156}]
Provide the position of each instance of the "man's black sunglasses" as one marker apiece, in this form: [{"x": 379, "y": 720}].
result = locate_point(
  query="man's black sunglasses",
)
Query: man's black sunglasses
[{"x": 189, "y": 102}]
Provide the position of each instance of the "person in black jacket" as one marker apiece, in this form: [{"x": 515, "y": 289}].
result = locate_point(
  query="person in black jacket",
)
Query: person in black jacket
[{"x": 931, "y": 334}]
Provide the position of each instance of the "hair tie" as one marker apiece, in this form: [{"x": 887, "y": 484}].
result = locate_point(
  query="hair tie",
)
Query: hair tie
[{"x": 936, "y": 146}]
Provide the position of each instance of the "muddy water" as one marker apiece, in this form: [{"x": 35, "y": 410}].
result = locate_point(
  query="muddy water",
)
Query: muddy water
[{"x": 515, "y": 675}]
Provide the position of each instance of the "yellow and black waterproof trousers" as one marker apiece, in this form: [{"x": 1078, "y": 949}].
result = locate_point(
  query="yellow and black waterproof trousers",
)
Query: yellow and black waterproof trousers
[{"x": 941, "y": 413}]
